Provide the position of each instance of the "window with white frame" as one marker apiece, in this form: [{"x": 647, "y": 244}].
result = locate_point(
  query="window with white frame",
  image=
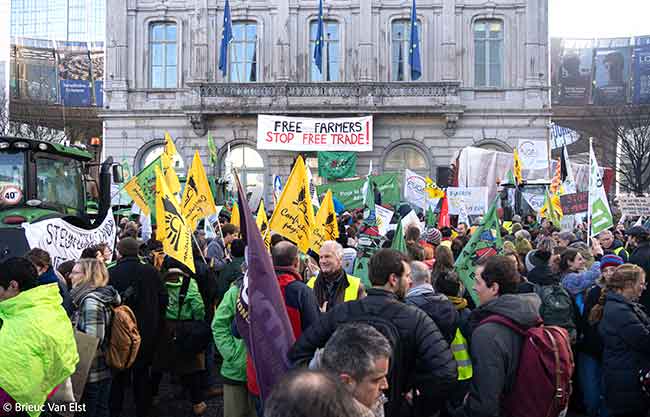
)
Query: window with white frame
[
  {"x": 249, "y": 165},
  {"x": 405, "y": 157},
  {"x": 163, "y": 55},
  {"x": 488, "y": 53},
  {"x": 243, "y": 53},
  {"x": 331, "y": 68}
]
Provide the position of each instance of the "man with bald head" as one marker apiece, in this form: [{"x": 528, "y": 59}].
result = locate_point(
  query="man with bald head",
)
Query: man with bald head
[
  {"x": 333, "y": 285},
  {"x": 612, "y": 246}
]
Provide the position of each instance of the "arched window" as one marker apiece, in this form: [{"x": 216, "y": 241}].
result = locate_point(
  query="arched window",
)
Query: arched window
[
  {"x": 407, "y": 157},
  {"x": 249, "y": 164},
  {"x": 154, "y": 151}
]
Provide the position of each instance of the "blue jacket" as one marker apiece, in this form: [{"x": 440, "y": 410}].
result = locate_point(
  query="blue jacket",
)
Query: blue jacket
[{"x": 625, "y": 330}]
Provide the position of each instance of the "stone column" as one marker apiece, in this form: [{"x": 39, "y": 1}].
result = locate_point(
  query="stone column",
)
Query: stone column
[
  {"x": 280, "y": 41},
  {"x": 449, "y": 56},
  {"x": 366, "y": 62},
  {"x": 116, "y": 78}
]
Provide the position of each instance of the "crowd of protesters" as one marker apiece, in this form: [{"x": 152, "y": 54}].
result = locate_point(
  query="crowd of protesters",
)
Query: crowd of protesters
[{"x": 411, "y": 342}]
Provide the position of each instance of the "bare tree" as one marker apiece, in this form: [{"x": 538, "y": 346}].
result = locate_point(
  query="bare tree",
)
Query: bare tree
[
  {"x": 625, "y": 130},
  {"x": 30, "y": 127}
]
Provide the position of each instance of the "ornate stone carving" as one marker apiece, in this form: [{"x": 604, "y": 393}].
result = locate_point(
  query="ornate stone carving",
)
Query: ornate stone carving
[
  {"x": 198, "y": 124},
  {"x": 451, "y": 119}
]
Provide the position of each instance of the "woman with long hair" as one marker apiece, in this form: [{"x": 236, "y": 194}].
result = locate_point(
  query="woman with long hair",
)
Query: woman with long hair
[
  {"x": 92, "y": 300},
  {"x": 575, "y": 277},
  {"x": 444, "y": 260},
  {"x": 625, "y": 331}
]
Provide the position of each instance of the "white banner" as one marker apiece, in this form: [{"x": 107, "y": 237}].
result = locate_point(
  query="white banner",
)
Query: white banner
[
  {"x": 474, "y": 199},
  {"x": 633, "y": 206},
  {"x": 65, "y": 242},
  {"x": 534, "y": 200},
  {"x": 411, "y": 219},
  {"x": 599, "y": 211},
  {"x": 414, "y": 193},
  {"x": 533, "y": 154},
  {"x": 314, "y": 134},
  {"x": 384, "y": 217}
]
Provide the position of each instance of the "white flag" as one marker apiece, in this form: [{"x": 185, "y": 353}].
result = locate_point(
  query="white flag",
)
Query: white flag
[
  {"x": 600, "y": 214},
  {"x": 569, "y": 184}
]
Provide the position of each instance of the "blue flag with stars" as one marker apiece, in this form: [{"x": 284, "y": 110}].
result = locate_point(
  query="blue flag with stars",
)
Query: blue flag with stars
[
  {"x": 226, "y": 38},
  {"x": 414, "y": 47},
  {"x": 320, "y": 37}
]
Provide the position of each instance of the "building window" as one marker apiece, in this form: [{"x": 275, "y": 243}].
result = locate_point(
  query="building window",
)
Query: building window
[
  {"x": 405, "y": 157},
  {"x": 331, "y": 51},
  {"x": 249, "y": 165},
  {"x": 162, "y": 47},
  {"x": 400, "y": 44},
  {"x": 488, "y": 50},
  {"x": 154, "y": 151},
  {"x": 243, "y": 53}
]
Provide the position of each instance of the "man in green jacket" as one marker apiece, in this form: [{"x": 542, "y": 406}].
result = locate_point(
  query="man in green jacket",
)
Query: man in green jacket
[
  {"x": 236, "y": 400},
  {"x": 37, "y": 345}
]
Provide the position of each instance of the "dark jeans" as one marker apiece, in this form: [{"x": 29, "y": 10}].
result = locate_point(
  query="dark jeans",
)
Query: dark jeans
[
  {"x": 591, "y": 381},
  {"x": 191, "y": 382},
  {"x": 95, "y": 399},
  {"x": 142, "y": 387}
]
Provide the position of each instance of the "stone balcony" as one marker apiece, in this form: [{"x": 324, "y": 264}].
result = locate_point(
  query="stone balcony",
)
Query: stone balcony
[{"x": 329, "y": 98}]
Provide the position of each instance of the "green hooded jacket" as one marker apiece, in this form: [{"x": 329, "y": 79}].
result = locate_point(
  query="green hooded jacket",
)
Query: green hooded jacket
[
  {"x": 232, "y": 350},
  {"x": 37, "y": 345},
  {"x": 193, "y": 308}
]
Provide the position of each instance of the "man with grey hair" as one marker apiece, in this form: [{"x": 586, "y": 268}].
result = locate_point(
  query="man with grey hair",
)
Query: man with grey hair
[
  {"x": 565, "y": 238},
  {"x": 333, "y": 285},
  {"x": 612, "y": 246},
  {"x": 437, "y": 306},
  {"x": 359, "y": 355}
]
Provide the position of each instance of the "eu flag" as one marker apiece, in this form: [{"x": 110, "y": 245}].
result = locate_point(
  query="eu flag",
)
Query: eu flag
[
  {"x": 226, "y": 37},
  {"x": 414, "y": 47},
  {"x": 320, "y": 37}
]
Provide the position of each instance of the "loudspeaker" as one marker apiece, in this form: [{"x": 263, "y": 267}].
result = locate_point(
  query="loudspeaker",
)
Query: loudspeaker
[{"x": 443, "y": 176}]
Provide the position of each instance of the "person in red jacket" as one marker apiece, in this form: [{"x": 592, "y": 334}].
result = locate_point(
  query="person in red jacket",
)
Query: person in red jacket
[{"x": 300, "y": 301}]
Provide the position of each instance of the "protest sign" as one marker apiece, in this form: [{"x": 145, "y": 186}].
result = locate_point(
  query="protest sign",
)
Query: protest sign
[
  {"x": 414, "y": 189},
  {"x": 383, "y": 216},
  {"x": 634, "y": 206},
  {"x": 65, "y": 242},
  {"x": 350, "y": 193},
  {"x": 533, "y": 153},
  {"x": 314, "y": 134},
  {"x": 534, "y": 199},
  {"x": 474, "y": 200},
  {"x": 575, "y": 203}
]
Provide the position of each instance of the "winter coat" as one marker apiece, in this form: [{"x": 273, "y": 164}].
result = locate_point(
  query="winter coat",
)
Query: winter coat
[
  {"x": 217, "y": 252},
  {"x": 148, "y": 300},
  {"x": 425, "y": 361},
  {"x": 590, "y": 341},
  {"x": 193, "y": 308},
  {"x": 229, "y": 274},
  {"x": 617, "y": 249},
  {"x": 495, "y": 351},
  {"x": 437, "y": 306},
  {"x": 337, "y": 294},
  {"x": 625, "y": 329},
  {"x": 93, "y": 316},
  {"x": 37, "y": 345},
  {"x": 641, "y": 257},
  {"x": 50, "y": 277},
  {"x": 577, "y": 282},
  {"x": 232, "y": 349}
]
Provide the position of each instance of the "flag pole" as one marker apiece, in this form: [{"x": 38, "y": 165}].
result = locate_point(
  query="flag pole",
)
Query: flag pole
[
  {"x": 200, "y": 251},
  {"x": 589, "y": 202}
]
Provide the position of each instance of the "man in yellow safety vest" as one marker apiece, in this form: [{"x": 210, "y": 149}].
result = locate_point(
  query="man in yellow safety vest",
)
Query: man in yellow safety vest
[{"x": 333, "y": 286}]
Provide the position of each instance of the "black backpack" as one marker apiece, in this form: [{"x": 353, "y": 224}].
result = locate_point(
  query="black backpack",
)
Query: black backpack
[{"x": 557, "y": 308}]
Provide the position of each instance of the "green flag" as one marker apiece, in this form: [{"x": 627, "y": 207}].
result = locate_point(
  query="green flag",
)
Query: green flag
[
  {"x": 142, "y": 187},
  {"x": 361, "y": 270},
  {"x": 399, "y": 243},
  {"x": 212, "y": 149},
  {"x": 369, "y": 213},
  {"x": 335, "y": 165},
  {"x": 486, "y": 241},
  {"x": 431, "y": 218}
]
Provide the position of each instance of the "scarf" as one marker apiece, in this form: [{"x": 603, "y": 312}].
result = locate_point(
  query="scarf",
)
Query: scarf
[
  {"x": 459, "y": 302},
  {"x": 79, "y": 293}
]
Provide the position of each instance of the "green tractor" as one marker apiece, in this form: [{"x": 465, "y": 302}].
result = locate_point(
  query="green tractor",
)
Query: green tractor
[{"x": 49, "y": 199}]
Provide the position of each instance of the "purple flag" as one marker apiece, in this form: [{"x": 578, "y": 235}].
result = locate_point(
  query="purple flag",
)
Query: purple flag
[{"x": 262, "y": 317}]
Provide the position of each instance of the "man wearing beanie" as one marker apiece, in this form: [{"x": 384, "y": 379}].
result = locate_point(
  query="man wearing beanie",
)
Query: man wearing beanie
[{"x": 142, "y": 290}]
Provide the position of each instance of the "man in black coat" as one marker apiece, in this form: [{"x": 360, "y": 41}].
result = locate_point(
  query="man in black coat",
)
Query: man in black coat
[
  {"x": 142, "y": 290},
  {"x": 638, "y": 238},
  {"x": 422, "y": 360}
]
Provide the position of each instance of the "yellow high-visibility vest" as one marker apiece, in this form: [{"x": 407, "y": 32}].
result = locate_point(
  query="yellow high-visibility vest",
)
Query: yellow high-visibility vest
[
  {"x": 351, "y": 292},
  {"x": 461, "y": 355}
]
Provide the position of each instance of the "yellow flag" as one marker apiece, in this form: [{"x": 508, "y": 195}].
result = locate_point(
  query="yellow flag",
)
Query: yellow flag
[
  {"x": 234, "y": 217},
  {"x": 173, "y": 230},
  {"x": 293, "y": 217},
  {"x": 136, "y": 192},
  {"x": 432, "y": 189},
  {"x": 167, "y": 158},
  {"x": 263, "y": 224},
  {"x": 326, "y": 227},
  {"x": 197, "y": 201},
  {"x": 517, "y": 168}
]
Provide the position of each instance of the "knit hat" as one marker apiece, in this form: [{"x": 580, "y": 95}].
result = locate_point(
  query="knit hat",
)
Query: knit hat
[
  {"x": 128, "y": 246},
  {"x": 433, "y": 236},
  {"x": 610, "y": 260}
]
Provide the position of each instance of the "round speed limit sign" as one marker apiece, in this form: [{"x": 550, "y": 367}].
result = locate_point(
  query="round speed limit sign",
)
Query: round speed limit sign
[{"x": 11, "y": 194}]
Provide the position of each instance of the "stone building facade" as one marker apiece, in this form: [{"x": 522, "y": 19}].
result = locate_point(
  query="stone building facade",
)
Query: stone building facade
[{"x": 485, "y": 78}]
